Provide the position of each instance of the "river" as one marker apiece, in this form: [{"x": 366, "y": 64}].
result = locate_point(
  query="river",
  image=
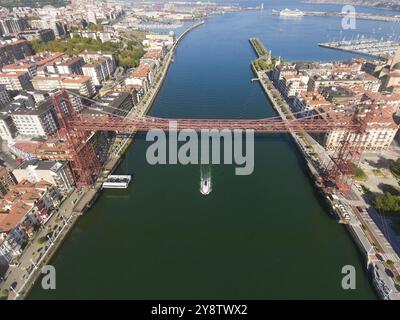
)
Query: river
[{"x": 254, "y": 237}]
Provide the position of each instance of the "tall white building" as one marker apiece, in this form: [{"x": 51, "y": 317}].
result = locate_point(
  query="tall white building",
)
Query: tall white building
[
  {"x": 39, "y": 121},
  {"x": 15, "y": 81},
  {"x": 57, "y": 173}
]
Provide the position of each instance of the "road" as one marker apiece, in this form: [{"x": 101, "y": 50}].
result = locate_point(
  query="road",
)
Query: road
[{"x": 21, "y": 275}]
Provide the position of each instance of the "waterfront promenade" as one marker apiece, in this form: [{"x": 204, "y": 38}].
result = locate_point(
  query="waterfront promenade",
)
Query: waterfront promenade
[
  {"x": 366, "y": 234},
  {"x": 21, "y": 277}
]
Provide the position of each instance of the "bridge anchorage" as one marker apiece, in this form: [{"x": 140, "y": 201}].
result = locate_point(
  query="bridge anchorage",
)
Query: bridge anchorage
[{"x": 72, "y": 142}]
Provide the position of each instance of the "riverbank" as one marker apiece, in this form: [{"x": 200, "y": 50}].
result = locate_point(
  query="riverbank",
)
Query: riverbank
[
  {"x": 364, "y": 233},
  {"x": 79, "y": 202}
]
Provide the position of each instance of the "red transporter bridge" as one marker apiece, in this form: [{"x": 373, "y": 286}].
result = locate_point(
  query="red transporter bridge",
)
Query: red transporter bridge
[{"x": 77, "y": 129}]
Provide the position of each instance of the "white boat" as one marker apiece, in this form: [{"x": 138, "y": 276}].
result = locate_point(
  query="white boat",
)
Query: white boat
[
  {"x": 117, "y": 182},
  {"x": 291, "y": 13},
  {"x": 205, "y": 186}
]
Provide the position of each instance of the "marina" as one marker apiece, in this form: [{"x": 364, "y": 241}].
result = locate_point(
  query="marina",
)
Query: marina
[{"x": 377, "y": 48}]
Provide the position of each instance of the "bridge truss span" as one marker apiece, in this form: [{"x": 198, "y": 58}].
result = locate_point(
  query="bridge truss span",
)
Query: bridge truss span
[{"x": 110, "y": 123}]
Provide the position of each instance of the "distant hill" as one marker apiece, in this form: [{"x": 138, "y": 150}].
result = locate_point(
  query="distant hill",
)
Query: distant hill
[
  {"x": 32, "y": 3},
  {"x": 382, "y": 4}
]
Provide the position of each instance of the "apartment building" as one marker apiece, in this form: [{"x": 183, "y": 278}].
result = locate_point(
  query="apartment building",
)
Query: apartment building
[
  {"x": 12, "y": 25},
  {"x": 39, "y": 121},
  {"x": 292, "y": 84},
  {"x": 364, "y": 80},
  {"x": 307, "y": 102},
  {"x": 7, "y": 180},
  {"x": 11, "y": 51},
  {"x": 98, "y": 70},
  {"x": 141, "y": 76},
  {"x": 82, "y": 84},
  {"x": 23, "y": 208},
  {"x": 43, "y": 35},
  {"x": 118, "y": 103},
  {"x": 58, "y": 173},
  {"x": 4, "y": 97},
  {"x": 56, "y": 25},
  {"x": 16, "y": 81},
  {"x": 94, "y": 56},
  {"x": 31, "y": 69},
  {"x": 65, "y": 66},
  {"x": 380, "y": 128}
]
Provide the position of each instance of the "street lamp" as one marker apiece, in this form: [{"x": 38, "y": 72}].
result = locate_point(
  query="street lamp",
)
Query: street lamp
[{"x": 34, "y": 264}]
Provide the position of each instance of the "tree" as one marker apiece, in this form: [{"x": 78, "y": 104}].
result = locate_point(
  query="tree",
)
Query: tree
[
  {"x": 126, "y": 57},
  {"x": 95, "y": 27},
  {"x": 387, "y": 202},
  {"x": 4, "y": 293},
  {"x": 395, "y": 168}
]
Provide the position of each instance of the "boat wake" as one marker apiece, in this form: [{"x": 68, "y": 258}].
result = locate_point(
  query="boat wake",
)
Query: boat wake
[{"x": 205, "y": 180}]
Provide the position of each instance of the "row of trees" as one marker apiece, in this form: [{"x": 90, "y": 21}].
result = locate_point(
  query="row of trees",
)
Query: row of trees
[{"x": 128, "y": 54}]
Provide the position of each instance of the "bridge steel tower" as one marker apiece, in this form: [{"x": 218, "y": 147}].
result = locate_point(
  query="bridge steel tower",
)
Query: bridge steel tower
[
  {"x": 341, "y": 169},
  {"x": 84, "y": 164}
]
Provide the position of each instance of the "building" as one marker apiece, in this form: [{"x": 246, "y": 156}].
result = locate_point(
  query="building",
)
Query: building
[
  {"x": 141, "y": 76},
  {"x": 282, "y": 70},
  {"x": 379, "y": 133},
  {"x": 65, "y": 66},
  {"x": 4, "y": 97},
  {"x": 47, "y": 83},
  {"x": 53, "y": 24},
  {"x": 58, "y": 173},
  {"x": 307, "y": 102},
  {"x": 25, "y": 207},
  {"x": 118, "y": 103},
  {"x": 82, "y": 84},
  {"x": 94, "y": 56},
  {"x": 359, "y": 79},
  {"x": 153, "y": 57},
  {"x": 12, "y": 25},
  {"x": 31, "y": 69},
  {"x": 11, "y": 51},
  {"x": 43, "y": 35},
  {"x": 158, "y": 41},
  {"x": 98, "y": 70},
  {"x": 7, "y": 180},
  {"x": 292, "y": 84},
  {"x": 16, "y": 81},
  {"x": 340, "y": 95},
  {"x": 39, "y": 121}
]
